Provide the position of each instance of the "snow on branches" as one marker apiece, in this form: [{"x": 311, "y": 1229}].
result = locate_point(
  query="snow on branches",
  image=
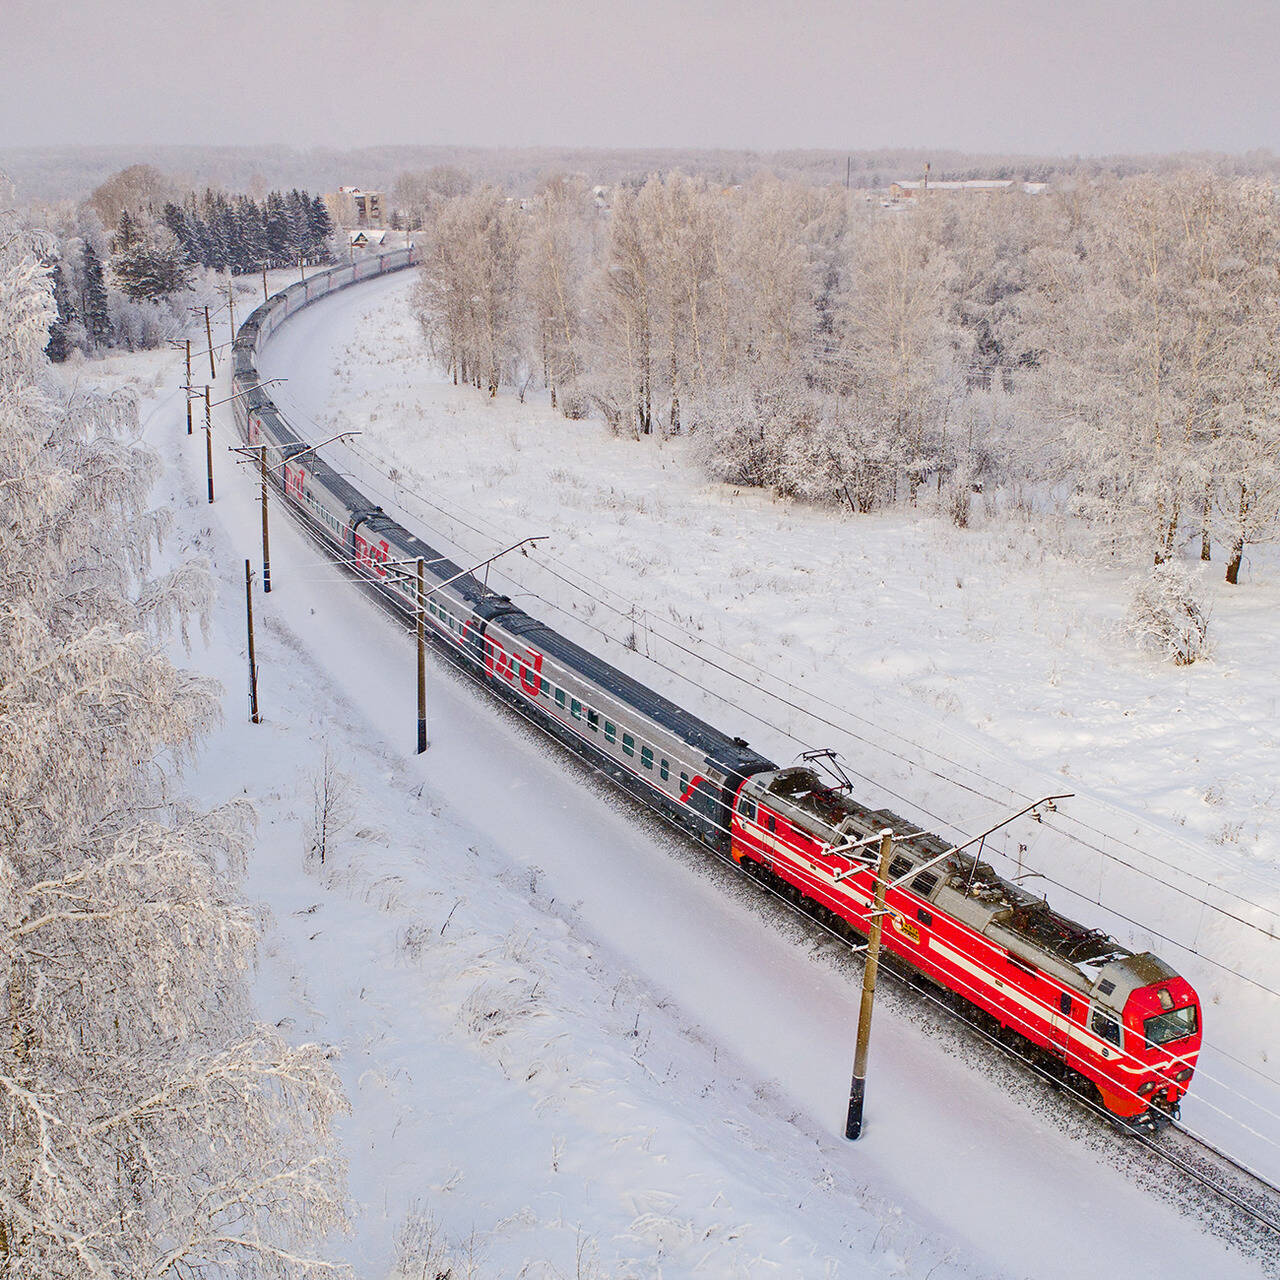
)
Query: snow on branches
[{"x": 148, "y": 1126}]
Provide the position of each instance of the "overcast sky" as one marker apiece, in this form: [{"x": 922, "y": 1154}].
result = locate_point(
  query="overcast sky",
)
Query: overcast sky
[{"x": 1042, "y": 76}]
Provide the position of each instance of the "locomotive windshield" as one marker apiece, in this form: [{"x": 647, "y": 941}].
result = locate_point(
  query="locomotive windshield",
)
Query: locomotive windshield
[{"x": 1175, "y": 1025}]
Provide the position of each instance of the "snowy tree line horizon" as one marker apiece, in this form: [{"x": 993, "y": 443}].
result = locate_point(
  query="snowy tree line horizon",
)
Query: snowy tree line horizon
[{"x": 1109, "y": 350}]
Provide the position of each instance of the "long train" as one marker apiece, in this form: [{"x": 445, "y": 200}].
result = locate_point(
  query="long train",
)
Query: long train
[{"x": 1123, "y": 1028}]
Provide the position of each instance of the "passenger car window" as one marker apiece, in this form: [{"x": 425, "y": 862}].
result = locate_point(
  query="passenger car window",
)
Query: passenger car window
[
  {"x": 593, "y": 720},
  {"x": 664, "y": 770},
  {"x": 610, "y": 732},
  {"x": 646, "y": 757},
  {"x": 628, "y": 745}
]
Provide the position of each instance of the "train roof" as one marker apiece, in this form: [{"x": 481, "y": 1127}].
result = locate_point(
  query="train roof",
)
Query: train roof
[
  {"x": 730, "y": 753},
  {"x": 960, "y": 884}
]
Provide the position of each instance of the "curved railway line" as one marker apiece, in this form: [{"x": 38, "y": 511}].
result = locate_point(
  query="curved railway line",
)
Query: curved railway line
[{"x": 1232, "y": 1199}]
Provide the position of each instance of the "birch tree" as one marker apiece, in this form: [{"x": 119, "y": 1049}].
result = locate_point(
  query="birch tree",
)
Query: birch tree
[
  {"x": 467, "y": 296},
  {"x": 899, "y": 343},
  {"x": 148, "y": 1126},
  {"x": 557, "y": 256}
]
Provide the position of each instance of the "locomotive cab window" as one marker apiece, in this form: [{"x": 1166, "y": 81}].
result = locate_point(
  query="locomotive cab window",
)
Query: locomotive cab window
[
  {"x": 1167, "y": 1027},
  {"x": 1104, "y": 1025},
  {"x": 748, "y": 809}
]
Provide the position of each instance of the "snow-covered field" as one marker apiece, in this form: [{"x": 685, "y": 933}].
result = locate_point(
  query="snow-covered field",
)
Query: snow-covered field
[{"x": 574, "y": 1044}]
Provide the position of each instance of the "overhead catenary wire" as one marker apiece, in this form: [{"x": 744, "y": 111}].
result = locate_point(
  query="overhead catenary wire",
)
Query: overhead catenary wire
[
  {"x": 875, "y": 745},
  {"x": 362, "y": 570},
  {"x": 403, "y": 602}
]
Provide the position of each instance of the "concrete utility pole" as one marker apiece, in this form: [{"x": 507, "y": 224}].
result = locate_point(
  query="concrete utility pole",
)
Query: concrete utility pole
[
  {"x": 422, "y": 657},
  {"x": 858, "y": 1087},
  {"x": 401, "y": 572},
  {"x": 208, "y": 333},
  {"x": 208, "y": 438},
  {"x": 264, "y": 282},
  {"x": 254, "y": 715},
  {"x": 187, "y": 388},
  {"x": 266, "y": 541}
]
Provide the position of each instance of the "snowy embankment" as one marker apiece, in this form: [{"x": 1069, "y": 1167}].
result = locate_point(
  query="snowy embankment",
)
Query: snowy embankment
[{"x": 565, "y": 1036}]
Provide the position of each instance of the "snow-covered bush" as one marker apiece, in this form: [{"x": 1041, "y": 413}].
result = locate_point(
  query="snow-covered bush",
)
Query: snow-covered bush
[{"x": 1166, "y": 616}]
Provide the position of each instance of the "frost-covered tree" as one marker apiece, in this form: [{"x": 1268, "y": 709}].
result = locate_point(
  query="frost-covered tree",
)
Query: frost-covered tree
[
  {"x": 148, "y": 1126},
  {"x": 94, "y": 305},
  {"x": 556, "y": 257},
  {"x": 899, "y": 340},
  {"x": 154, "y": 267},
  {"x": 467, "y": 295},
  {"x": 57, "y": 348}
]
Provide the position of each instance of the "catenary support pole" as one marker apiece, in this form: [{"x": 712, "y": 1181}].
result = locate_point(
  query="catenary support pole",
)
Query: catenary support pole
[
  {"x": 208, "y": 438},
  {"x": 266, "y": 539},
  {"x": 254, "y": 715},
  {"x": 208, "y": 333},
  {"x": 187, "y": 388},
  {"x": 422, "y": 657},
  {"x": 231, "y": 303},
  {"x": 264, "y": 282},
  {"x": 858, "y": 1087}
]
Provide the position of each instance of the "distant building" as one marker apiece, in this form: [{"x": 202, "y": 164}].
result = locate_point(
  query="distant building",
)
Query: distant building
[
  {"x": 363, "y": 238},
  {"x": 919, "y": 187},
  {"x": 351, "y": 207}
]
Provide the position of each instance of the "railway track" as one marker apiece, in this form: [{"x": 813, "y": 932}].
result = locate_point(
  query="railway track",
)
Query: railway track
[{"x": 1231, "y": 1199}]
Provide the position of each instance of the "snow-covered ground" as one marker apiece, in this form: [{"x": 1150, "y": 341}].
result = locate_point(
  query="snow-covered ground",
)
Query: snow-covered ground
[
  {"x": 961, "y": 673},
  {"x": 578, "y": 1046}
]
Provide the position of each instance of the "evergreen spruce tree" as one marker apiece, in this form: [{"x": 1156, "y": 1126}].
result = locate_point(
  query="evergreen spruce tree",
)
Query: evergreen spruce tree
[
  {"x": 128, "y": 233},
  {"x": 321, "y": 229},
  {"x": 94, "y": 309},
  {"x": 175, "y": 218},
  {"x": 298, "y": 209},
  {"x": 57, "y": 347},
  {"x": 250, "y": 230},
  {"x": 279, "y": 239}
]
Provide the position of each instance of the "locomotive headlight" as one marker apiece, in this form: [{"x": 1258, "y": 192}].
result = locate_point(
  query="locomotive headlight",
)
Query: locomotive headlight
[
  {"x": 1183, "y": 1076},
  {"x": 1146, "y": 1087}
]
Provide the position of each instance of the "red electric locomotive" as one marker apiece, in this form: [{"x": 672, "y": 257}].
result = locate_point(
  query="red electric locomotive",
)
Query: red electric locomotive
[{"x": 1124, "y": 1027}]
